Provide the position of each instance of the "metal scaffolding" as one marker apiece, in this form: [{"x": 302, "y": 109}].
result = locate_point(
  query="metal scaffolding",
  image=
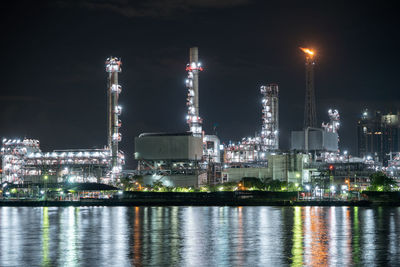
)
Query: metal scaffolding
[
  {"x": 246, "y": 151},
  {"x": 24, "y": 162},
  {"x": 310, "y": 113},
  {"x": 113, "y": 67},
  {"x": 13, "y": 154},
  {"x": 270, "y": 118},
  {"x": 192, "y": 83},
  {"x": 333, "y": 125},
  {"x": 83, "y": 165}
]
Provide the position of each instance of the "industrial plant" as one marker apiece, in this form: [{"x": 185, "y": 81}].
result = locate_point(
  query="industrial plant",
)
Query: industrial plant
[
  {"x": 195, "y": 158},
  {"x": 23, "y": 162}
]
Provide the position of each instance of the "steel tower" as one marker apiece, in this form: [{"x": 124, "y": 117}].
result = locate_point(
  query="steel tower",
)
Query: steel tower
[
  {"x": 270, "y": 118},
  {"x": 192, "y": 83},
  {"x": 113, "y": 67},
  {"x": 310, "y": 114}
]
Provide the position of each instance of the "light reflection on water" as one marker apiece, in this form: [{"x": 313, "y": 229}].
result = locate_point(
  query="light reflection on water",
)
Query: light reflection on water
[{"x": 199, "y": 236}]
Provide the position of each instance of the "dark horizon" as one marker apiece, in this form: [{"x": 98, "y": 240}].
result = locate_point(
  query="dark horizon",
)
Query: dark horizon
[{"x": 54, "y": 79}]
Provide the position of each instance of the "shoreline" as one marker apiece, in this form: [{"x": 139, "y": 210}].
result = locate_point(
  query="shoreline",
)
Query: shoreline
[{"x": 147, "y": 202}]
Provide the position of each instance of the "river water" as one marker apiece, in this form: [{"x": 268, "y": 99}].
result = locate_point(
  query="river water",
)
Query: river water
[{"x": 199, "y": 236}]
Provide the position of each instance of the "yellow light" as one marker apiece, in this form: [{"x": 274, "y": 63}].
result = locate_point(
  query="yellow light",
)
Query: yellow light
[{"x": 308, "y": 51}]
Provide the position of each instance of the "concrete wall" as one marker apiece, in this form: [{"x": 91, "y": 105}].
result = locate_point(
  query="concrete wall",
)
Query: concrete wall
[{"x": 170, "y": 147}]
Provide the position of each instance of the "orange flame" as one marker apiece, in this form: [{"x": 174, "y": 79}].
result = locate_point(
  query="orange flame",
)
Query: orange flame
[{"x": 308, "y": 51}]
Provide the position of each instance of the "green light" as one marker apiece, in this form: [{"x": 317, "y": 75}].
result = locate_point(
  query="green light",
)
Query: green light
[
  {"x": 45, "y": 238},
  {"x": 297, "y": 248},
  {"x": 45, "y": 177},
  {"x": 356, "y": 238}
]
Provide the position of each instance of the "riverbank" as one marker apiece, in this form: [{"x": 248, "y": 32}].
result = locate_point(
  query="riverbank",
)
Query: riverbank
[
  {"x": 117, "y": 202},
  {"x": 235, "y": 198}
]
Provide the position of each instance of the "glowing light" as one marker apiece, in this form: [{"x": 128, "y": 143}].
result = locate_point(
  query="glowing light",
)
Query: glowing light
[{"x": 308, "y": 51}]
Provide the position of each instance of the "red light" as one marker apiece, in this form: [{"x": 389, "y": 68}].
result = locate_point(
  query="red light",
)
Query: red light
[{"x": 331, "y": 167}]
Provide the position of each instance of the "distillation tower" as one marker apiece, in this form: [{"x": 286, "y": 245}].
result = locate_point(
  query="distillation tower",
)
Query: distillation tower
[
  {"x": 270, "y": 118},
  {"x": 192, "y": 83},
  {"x": 310, "y": 113},
  {"x": 113, "y": 67}
]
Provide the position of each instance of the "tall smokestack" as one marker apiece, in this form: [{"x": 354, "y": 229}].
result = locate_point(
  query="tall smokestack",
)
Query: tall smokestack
[
  {"x": 310, "y": 114},
  {"x": 113, "y": 67},
  {"x": 192, "y": 83}
]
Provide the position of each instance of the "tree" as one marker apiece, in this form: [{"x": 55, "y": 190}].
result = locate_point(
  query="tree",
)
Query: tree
[
  {"x": 275, "y": 185},
  {"x": 381, "y": 182}
]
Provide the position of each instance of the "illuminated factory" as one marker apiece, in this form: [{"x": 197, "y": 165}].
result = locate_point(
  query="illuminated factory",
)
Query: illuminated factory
[
  {"x": 179, "y": 159},
  {"x": 318, "y": 140},
  {"x": 24, "y": 162},
  {"x": 194, "y": 158}
]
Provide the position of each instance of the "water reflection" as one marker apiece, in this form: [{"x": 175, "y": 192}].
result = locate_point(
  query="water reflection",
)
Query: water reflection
[
  {"x": 199, "y": 236},
  {"x": 45, "y": 237},
  {"x": 297, "y": 248}
]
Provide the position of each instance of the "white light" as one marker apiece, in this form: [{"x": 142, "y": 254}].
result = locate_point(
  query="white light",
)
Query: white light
[{"x": 307, "y": 187}]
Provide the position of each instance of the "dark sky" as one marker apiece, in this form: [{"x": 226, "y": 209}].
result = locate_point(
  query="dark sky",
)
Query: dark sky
[{"x": 54, "y": 82}]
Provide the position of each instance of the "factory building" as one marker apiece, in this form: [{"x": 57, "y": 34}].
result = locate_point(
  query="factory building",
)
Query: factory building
[
  {"x": 289, "y": 167},
  {"x": 314, "y": 139},
  {"x": 171, "y": 158},
  {"x": 179, "y": 159},
  {"x": 245, "y": 151},
  {"x": 255, "y": 149},
  {"x": 322, "y": 141},
  {"x": 378, "y": 135},
  {"x": 23, "y": 162}
]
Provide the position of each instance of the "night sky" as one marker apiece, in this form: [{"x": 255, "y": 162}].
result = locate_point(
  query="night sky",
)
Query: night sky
[{"x": 54, "y": 82}]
